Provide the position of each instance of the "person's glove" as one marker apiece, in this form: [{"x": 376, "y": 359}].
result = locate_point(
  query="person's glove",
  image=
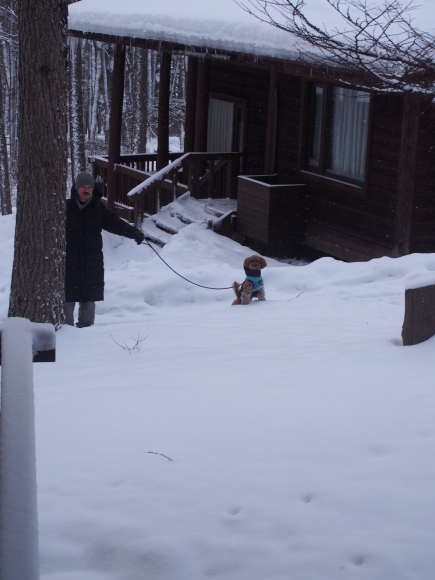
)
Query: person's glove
[{"x": 138, "y": 237}]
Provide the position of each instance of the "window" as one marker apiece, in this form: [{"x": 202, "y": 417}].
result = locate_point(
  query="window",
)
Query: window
[{"x": 337, "y": 139}]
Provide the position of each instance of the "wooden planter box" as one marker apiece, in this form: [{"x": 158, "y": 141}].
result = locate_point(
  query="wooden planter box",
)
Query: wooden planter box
[{"x": 270, "y": 210}]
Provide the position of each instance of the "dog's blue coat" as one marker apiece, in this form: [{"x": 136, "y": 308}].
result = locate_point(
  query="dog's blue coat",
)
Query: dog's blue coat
[
  {"x": 255, "y": 277},
  {"x": 257, "y": 281}
]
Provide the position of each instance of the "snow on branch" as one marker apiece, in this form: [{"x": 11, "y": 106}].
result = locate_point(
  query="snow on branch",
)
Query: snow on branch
[{"x": 381, "y": 40}]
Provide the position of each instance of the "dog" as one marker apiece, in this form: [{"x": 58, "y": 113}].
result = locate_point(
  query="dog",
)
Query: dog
[{"x": 252, "y": 287}]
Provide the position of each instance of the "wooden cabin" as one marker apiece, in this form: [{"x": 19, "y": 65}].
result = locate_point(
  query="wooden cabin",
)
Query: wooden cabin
[{"x": 317, "y": 157}]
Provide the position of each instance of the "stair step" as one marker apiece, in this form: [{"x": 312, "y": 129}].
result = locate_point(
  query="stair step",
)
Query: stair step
[
  {"x": 155, "y": 241},
  {"x": 183, "y": 219},
  {"x": 165, "y": 228},
  {"x": 213, "y": 212}
]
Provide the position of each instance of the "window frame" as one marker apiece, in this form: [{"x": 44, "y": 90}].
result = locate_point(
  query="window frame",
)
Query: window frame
[{"x": 321, "y": 173}]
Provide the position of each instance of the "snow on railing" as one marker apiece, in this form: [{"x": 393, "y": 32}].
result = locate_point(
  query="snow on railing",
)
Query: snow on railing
[
  {"x": 21, "y": 343},
  {"x": 158, "y": 176}
]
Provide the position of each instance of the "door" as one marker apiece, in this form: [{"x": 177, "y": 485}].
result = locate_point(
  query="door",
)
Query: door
[{"x": 226, "y": 125}]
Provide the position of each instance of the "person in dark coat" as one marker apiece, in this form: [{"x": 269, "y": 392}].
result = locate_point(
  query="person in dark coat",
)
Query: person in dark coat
[{"x": 86, "y": 217}]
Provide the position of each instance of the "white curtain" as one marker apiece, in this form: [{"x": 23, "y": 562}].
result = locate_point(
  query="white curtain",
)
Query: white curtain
[
  {"x": 220, "y": 126},
  {"x": 349, "y": 133}
]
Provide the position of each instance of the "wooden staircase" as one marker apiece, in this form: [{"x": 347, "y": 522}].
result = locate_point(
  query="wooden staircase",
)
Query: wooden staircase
[{"x": 169, "y": 220}]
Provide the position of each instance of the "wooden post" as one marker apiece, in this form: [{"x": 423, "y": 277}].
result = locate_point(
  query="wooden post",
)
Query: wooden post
[
  {"x": 201, "y": 107},
  {"x": 406, "y": 177},
  {"x": 189, "y": 125},
  {"x": 189, "y": 176},
  {"x": 115, "y": 124},
  {"x": 211, "y": 181},
  {"x": 228, "y": 179},
  {"x": 269, "y": 156},
  {"x": 194, "y": 174},
  {"x": 136, "y": 211},
  {"x": 163, "y": 120},
  {"x": 174, "y": 186},
  {"x": 419, "y": 322}
]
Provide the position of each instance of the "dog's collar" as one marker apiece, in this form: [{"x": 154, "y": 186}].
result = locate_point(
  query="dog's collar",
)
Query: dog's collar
[{"x": 252, "y": 272}]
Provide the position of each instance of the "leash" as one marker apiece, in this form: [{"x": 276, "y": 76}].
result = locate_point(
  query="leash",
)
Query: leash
[{"x": 146, "y": 242}]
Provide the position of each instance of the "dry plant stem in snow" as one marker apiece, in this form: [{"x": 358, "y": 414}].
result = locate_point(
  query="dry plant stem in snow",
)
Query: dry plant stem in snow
[{"x": 137, "y": 344}]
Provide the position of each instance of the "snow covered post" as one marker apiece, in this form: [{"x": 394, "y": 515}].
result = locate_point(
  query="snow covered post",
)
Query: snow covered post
[{"x": 21, "y": 343}]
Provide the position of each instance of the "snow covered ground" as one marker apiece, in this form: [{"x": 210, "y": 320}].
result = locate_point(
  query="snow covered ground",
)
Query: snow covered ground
[{"x": 290, "y": 439}]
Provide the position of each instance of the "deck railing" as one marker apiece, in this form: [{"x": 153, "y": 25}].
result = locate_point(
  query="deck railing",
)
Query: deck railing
[
  {"x": 205, "y": 175},
  {"x": 141, "y": 166}
]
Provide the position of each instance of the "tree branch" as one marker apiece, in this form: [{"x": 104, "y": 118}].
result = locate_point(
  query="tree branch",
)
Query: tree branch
[{"x": 381, "y": 41}]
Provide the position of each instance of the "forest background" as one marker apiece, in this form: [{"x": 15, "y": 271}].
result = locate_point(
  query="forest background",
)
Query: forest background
[{"x": 90, "y": 68}]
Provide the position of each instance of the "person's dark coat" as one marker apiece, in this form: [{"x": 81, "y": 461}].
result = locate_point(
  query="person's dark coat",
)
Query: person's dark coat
[{"x": 84, "y": 271}]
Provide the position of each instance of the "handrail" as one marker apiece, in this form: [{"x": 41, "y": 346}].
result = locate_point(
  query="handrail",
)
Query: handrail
[
  {"x": 101, "y": 160},
  {"x": 157, "y": 178},
  {"x": 138, "y": 157},
  {"x": 137, "y": 173}
]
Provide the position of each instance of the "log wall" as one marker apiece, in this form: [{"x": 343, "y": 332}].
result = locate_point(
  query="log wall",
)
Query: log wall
[
  {"x": 423, "y": 219},
  {"x": 288, "y": 133},
  {"x": 252, "y": 85},
  {"x": 356, "y": 224}
]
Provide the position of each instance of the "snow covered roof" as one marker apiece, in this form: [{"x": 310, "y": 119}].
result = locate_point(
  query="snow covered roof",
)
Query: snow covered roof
[{"x": 213, "y": 24}]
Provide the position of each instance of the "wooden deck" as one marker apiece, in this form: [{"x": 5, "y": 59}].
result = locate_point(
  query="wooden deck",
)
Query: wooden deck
[{"x": 205, "y": 175}]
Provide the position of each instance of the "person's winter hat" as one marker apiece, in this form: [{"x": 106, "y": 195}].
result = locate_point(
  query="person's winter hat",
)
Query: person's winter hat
[{"x": 83, "y": 179}]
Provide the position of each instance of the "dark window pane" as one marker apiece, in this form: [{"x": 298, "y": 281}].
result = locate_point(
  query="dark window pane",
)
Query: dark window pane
[{"x": 317, "y": 127}]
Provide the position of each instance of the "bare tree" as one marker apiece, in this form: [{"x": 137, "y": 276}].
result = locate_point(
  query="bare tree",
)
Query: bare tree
[
  {"x": 177, "y": 108},
  {"x": 9, "y": 96},
  {"x": 5, "y": 187},
  {"x": 381, "y": 40},
  {"x": 37, "y": 288}
]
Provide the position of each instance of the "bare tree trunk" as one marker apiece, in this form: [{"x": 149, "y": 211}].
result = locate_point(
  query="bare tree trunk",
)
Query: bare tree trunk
[
  {"x": 9, "y": 66},
  {"x": 38, "y": 275},
  {"x": 127, "y": 110},
  {"x": 142, "y": 112},
  {"x": 106, "y": 98},
  {"x": 183, "y": 99},
  {"x": 13, "y": 107},
  {"x": 5, "y": 188},
  {"x": 72, "y": 107},
  {"x": 78, "y": 119},
  {"x": 96, "y": 90},
  {"x": 152, "y": 98}
]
